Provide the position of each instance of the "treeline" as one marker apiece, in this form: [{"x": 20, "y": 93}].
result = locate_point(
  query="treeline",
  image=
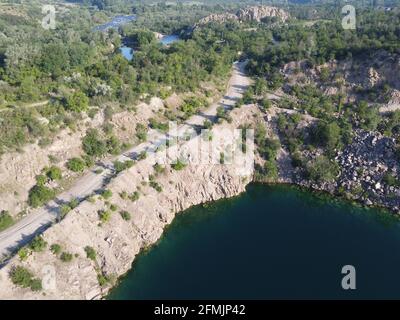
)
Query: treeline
[{"x": 327, "y": 40}]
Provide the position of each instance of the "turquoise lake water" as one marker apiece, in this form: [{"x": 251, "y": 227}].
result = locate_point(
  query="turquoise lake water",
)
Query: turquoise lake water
[
  {"x": 271, "y": 242},
  {"x": 128, "y": 52}
]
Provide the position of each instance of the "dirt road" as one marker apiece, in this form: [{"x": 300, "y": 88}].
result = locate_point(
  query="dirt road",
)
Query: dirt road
[{"x": 23, "y": 231}]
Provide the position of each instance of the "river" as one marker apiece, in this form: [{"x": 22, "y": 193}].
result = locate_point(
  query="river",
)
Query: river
[{"x": 271, "y": 242}]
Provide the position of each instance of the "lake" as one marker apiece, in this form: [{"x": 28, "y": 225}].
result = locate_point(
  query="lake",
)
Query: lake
[
  {"x": 271, "y": 242},
  {"x": 167, "y": 40}
]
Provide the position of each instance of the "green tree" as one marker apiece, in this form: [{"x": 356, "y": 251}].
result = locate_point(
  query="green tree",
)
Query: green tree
[
  {"x": 92, "y": 145},
  {"x": 39, "y": 195},
  {"x": 77, "y": 102},
  {"x": 6, "y": 220}
]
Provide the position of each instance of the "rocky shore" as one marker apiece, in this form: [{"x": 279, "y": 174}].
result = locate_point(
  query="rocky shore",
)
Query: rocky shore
[
  {"x": 369, "y": 172},
  {"x": 364, "y": 165}
]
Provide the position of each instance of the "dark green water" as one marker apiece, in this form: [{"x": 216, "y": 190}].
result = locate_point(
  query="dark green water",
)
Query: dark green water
[{"x": 271, "y": 242}]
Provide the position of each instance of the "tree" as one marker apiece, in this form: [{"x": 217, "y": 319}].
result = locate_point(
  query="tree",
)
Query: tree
[
  {"x": 328, "y": 135},
  {"x": 322, "y": 169},
  {"x": 77, "y": 102},
  {"x": 92, "y": 145},
  {"x": 39, "y": 195},
  {"x": 369, "y": 116}
]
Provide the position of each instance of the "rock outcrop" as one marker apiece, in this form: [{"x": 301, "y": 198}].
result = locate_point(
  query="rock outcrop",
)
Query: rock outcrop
[{"x": 256, "y": 13}]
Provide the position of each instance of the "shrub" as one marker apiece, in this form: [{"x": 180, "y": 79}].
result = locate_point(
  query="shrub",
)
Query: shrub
[
  {"x": 159, "y": 168},
  {"x": 39, "y": 195},
  {"x": 90, "y": 253},
  {"x": 38, "y": 244},
  {"x": 64, "y": 210},
  {"x": 142, "y": 155},
  {"x": 207, "y": 124},
  {"x": 141, "y": 132},
  {"x": 23, "y": 253},
  {"x": 125, "y": 215},
  {"x": 77, "y": 102},
  {"x": 92, "y": 145},
  {"x": 41, "y": 180},
  {"x": 55, "y": 248},
  {"x": 103, "y": 280},
  {"x": 179, "y": 165},
  {"x": 327, "y": 135},
  {"x": 54, "y": 173},
  {"x": 155, "y": 186},
  {"x": 391, "y": 180},
  {"x": 6, "y": 220},
  {"x": 76, "y": 165},
  {"x": 105, "y": 215},
  {"x": 124, "y": 195},
  {"x": 121, "y": 166},
  {"x": 134, "y": 196},
  {"x": 22, "y": 277},
  {"x": 66, "y": 257},
  {"x": 106, "y": 194},
  {"x": 322, "y": 169}
]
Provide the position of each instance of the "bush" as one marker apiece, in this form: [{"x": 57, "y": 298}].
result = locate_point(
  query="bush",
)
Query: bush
[
  {"x": 125, "y": 215},
  {"x": 141, "y": 132},
  {"x": 39, "y": 195},
  {"x": 54, "y": 173},
  {"x": 159, "y": 168},
  {"x": 90, "y": 253},
  {"x": 155, "y": 186},
  {"x": 134, "y": 196},
  {"x": 6, "y": 220},
  {"x": 66, "y": 257},
  {"x": 76, "y": 165},
  {"x": 55, "y": 248},
  {"x": 64, "y": 210},
  {"x": 38, "y": 244},
  {"x": 106, "y": 194},
  {"x": 77, "y": 102},
  {"x": 327, "y": 135},
  {"x": 22, "y": 277},
  {"x": 103, "y": 280},
  {"x": 322, "y": 169},
  {"x": 391, "y": 180},
  {"x": 92, "y": 145},
  {"x": 105, "y": 216},
  {"x": 179, "y": 165},
  {"x": 23, "y": 253},
  {"x": 121, "y": 166}
]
